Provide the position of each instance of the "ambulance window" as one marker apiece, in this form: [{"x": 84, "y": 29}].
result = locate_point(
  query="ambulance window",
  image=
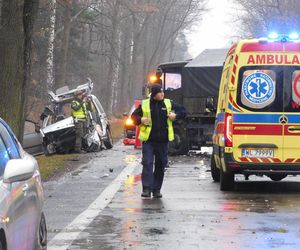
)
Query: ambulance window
[
  {"x": 223, "y": 88},
  {"x": 292, "y": 91},
  {"x": 172, "y": 81},
  {"x": 258, "y": 88}
]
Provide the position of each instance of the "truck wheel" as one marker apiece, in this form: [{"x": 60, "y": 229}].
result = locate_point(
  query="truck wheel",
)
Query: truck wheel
[
  {"x": 215, "y": 172},
  {"x": 179, "y": 145},
  {"x": 226, "y": 181},
  {"x": 277, "y": 177},
  {"x": 109, "y": 141}
]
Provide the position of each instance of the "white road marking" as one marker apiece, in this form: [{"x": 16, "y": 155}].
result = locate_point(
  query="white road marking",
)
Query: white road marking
[{"x": 64, "y": 239}]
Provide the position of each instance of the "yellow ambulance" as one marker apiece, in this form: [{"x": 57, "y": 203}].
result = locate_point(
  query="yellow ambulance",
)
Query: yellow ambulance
[{"x": 257, "y": 128}]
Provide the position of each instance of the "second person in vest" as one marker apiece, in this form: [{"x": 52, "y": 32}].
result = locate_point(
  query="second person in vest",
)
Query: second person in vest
[
  {"x": 79, "y": 112},
  {"x": 155, "y": 117}
]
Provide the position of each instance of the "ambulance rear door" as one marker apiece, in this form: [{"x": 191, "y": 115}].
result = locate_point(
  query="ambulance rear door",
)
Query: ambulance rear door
[
  {"x": 291, "y": 118},
  {"x": 257, "y": 128}
]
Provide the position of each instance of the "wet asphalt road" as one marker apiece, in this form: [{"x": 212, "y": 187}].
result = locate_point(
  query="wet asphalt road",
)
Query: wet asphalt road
[{"x": 193, "y": 213}]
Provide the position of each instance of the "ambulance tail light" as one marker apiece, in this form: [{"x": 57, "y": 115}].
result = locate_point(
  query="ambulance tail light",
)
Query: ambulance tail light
[{"x": 228, "y": 130}]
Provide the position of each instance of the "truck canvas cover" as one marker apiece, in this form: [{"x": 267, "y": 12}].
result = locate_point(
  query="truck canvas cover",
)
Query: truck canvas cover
[{"x": 201, "y": 76}]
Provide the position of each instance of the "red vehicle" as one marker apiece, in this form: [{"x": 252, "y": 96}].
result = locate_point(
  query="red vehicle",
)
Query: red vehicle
[{"x": 129, "y": 127}]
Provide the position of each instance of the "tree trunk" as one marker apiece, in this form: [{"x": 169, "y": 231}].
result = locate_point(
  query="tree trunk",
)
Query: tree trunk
[
  {"x": 15, "y": 47},
  {"x": 61, "y": 80},
  {"x": 50, "y": 53},
  {"x": 112, "y": 61}
]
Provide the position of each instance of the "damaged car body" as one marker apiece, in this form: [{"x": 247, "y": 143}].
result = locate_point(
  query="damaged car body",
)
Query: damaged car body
[{"x": 58, "y": 129}]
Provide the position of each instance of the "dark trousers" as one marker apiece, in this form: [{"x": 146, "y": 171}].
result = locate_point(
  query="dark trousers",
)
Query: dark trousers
[
  {"x": 80, "y": 127},
  {"x": 159, "y": 151}
]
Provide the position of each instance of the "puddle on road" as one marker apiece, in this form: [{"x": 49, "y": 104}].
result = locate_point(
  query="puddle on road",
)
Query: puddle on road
[
  {"x": 132, "y": 180},
  {"x": 129, "y": 159},
  {"x": 256, "y": 206}
]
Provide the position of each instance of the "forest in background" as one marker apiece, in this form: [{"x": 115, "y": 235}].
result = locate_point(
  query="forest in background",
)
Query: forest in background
[{"x": 116, "y": 43}]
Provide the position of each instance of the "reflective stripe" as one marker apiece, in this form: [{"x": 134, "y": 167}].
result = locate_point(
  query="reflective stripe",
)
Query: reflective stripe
[
  {"x": 146, "y": 129},
  {"x": 80, "y": 113}
]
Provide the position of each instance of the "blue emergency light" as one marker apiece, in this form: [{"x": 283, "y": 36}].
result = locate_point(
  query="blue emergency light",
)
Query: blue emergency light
[
  {"x": 294, "y": 36},
  {"x": 274, "y": 36}
]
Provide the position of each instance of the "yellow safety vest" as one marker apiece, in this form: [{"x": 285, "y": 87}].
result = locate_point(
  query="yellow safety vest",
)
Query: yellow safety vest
[
  {"x": 146, "y": 129},
  {"x": 80, "y": 113}
]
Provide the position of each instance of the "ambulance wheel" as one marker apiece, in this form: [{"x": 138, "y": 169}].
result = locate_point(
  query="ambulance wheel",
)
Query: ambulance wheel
[
  {"x": 179, "y": 145},
  {"x": 215, "y": 172},
  {"x": 277, "y": 177},
  {"x": 226, "y": 181}
]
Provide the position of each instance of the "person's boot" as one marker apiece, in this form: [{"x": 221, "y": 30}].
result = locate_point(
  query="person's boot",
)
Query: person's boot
[
  {"x": 146, "y": 193},
  {"x": 157, "y": 194}
]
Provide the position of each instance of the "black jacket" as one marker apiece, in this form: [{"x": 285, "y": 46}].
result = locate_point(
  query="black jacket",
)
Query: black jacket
[{"x": 159, "y": 131}]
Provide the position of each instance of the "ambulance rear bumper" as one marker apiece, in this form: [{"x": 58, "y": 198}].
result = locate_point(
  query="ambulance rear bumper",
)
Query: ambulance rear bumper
[{"x": 260, "y": 168}]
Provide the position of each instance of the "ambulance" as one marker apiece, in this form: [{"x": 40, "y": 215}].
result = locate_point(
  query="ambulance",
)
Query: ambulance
[{"x": 257, "y": 128}]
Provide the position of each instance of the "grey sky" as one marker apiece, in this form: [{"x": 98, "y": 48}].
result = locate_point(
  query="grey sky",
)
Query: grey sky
[{"x": 215, "y": 30}]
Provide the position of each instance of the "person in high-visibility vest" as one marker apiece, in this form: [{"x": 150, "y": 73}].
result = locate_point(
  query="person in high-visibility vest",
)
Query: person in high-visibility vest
[
  {"x": 155, "y": 116},
  {"x": 79, "y": 113}
]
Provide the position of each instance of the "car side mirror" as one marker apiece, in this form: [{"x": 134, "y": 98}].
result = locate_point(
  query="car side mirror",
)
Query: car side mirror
[
  {"x": 18, "y": 170},
  {"x": 210, "y": 104}
]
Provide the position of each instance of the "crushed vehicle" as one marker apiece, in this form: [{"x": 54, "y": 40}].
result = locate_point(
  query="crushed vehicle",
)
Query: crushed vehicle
[{"x": 58, "y": 129}]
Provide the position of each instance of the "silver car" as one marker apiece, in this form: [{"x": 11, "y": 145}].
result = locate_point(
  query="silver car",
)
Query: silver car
[
  {"x": 22, "y": 222},
  {"x": 58, "y": 129}
]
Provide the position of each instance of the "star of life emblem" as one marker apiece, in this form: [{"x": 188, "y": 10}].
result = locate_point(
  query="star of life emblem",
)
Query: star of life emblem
[{"x": 258, "y": 88}]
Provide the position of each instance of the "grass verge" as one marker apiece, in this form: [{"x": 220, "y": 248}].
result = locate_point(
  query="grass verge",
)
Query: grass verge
[
  {"x": 117, "y": 128},
  {"x": 54, "y": 164}
]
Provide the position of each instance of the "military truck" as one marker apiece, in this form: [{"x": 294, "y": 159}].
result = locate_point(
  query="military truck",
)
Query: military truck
[{"x": 195, "y": 85}]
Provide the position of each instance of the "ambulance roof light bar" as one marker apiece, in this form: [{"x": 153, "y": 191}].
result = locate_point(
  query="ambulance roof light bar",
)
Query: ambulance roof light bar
[
  {"x": 294, "y": 36},
  {"x": 274, "y": 36}
]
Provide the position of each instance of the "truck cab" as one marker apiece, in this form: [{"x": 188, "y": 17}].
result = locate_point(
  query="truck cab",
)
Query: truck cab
[{"x": 193, "y": 84}]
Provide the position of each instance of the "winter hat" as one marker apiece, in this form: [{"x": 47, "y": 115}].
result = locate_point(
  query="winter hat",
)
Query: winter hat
[{"x": 156, "y": 89}]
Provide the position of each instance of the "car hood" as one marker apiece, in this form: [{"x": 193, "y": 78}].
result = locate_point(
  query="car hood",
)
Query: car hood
[{"x": 63, "y": 124}]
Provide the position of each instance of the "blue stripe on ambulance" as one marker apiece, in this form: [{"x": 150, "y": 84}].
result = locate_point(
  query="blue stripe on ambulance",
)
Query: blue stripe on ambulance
[
  {"x": 256, "y": 118},
  {"x": 295, "y": 118},
  {"x": 221, "y": 117}
]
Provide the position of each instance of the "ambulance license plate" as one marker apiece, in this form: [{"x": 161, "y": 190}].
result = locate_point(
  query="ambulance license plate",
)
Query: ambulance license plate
[{"x": 259, "y": 153}]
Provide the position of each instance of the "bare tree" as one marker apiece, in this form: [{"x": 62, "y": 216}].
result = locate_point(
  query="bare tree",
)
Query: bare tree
[
  {"x": 51, "y": 37},
  {"x": 15, "y": 48},
  {"x": 263, "y": 16},
  {"x": 115, "y": 42}
]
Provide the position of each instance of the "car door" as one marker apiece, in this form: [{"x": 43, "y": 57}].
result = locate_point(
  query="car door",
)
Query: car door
[
  {"x": 32, "y": 139},
  {"x": 101, "y": 114},
  {"x": 291, "y": 119},
  {"x": 24, "y": 206}
]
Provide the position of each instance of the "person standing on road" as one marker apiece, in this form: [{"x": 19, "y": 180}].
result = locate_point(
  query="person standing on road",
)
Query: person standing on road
[
  {"x": 79, "y": 113},
  {"x": 155, "y": 117}
]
